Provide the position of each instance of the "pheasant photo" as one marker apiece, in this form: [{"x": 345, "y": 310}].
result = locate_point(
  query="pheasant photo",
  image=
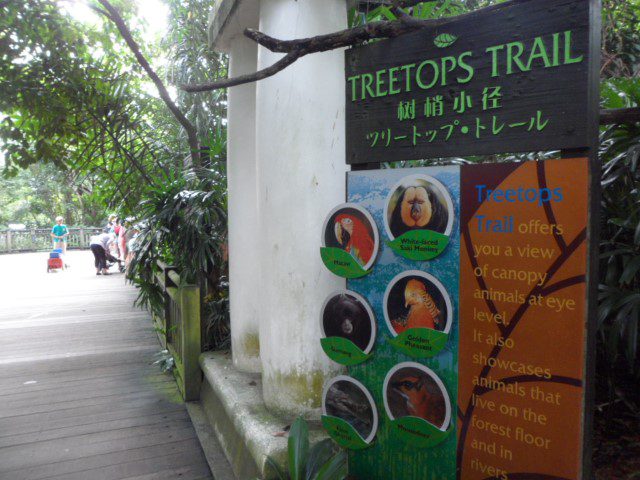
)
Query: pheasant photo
[{"x": 422, "y": 309}]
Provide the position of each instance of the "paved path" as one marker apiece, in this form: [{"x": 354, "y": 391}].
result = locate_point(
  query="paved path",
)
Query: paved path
[{"x": 79, "y": 396}]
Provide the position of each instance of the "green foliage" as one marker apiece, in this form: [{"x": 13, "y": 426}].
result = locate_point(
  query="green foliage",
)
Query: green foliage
[
  {"x": 367, "y": 11},
  {"x": 183, "y": 223},
  {"x": 150, "y": 295},
  {"x": 191, "y": 60},
  {"x": 619, "y": 298},
  {"x": 74, "y": 97},
  {"x": 321, "y": 462},
  {"x": 216, "y": 317},
  {"x": 165, "y": 361},
  {"x": 37, "y": 194},
  {"x": 620, "y": 37}
]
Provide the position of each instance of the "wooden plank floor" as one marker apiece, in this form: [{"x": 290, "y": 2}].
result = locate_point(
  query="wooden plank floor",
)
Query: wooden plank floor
[{"x": 80, "y": 398}]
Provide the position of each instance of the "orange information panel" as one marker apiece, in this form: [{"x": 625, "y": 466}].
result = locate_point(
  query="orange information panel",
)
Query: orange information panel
[{"x": 523, "y": 261}]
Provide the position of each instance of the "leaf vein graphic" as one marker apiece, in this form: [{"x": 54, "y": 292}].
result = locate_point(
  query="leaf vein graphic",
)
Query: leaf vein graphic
[{"x": 555, "y": 267}]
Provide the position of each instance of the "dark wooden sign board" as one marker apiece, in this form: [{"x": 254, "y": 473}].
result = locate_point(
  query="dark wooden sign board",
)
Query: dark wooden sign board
[
  {"x": 522, "y": 77},
  {"x": 513, "y": 79}
]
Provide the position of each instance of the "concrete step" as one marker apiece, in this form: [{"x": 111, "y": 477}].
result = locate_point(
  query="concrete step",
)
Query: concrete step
[
  {"x": 218, "y": 463},
  {"x": 246, "y": 431}
]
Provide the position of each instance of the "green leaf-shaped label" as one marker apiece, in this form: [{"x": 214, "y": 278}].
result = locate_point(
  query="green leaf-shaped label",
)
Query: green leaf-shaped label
[
  {"x": 341, "y": 263},
  {"x": 418, "y": 432},
  {"x": 343, "y": 433},
  {"x": 445, "y": 40},
  {"x": 343, "y": 351},
  {"x": 419, "y": 244},
  {"x": 420, "y": 342}
]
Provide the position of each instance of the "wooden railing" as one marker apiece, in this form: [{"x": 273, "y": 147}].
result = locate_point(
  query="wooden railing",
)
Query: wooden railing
[
  {"x": 39, "y": 239},
  {"x": 179, "y": 329}
]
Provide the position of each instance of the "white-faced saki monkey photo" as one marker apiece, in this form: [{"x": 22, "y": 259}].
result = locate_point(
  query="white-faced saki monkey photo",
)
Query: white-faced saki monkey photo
[
  {"x": 413, "y": 392},
  {"x": 418, "y": 207}
]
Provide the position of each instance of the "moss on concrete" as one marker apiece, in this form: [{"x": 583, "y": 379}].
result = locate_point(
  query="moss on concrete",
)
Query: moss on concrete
[
  {"x": 289, "y": 393},
  {"x": 251, "y": 345}
]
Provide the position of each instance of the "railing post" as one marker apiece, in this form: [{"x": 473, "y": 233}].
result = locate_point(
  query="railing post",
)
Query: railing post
[
  {"x": 190, "y": 310},
  {"x": 9, "y": 240},
  {"x": 167, "y": 301},
  {"x": 81, "y": 240}
]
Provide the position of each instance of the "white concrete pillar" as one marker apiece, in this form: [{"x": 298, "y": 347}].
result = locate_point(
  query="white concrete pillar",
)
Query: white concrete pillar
[
  {"x": 301, "y": 166},
  {"x": 244, "y": 232}
]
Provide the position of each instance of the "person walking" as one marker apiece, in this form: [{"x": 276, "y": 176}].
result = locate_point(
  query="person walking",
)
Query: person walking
[{"x": 59, "y": 234}]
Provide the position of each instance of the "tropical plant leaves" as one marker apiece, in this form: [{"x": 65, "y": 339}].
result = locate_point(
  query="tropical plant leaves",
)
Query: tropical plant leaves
[
  {"x": 320, "y": 454},
  {"x": 321, "y": 462},
  {"x": 298, "y": 447},
  {"x": 334, "y": 469},
  {"x": 618, "y": 300}
]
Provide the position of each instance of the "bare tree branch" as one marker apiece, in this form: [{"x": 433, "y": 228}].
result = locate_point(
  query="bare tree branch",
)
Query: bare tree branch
[
  {"x": 281, "y": 64},
  {"x": 350, "y": 37},
  {"x": 189, "y": 128}
]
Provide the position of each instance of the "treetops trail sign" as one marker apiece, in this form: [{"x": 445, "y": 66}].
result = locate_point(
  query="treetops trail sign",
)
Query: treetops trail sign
[
  {"x": 517, "y": 77},
  {"x": 466, "y": 326}
]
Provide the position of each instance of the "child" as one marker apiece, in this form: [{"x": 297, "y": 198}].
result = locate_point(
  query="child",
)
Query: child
[{"x": 59, "y": 234}]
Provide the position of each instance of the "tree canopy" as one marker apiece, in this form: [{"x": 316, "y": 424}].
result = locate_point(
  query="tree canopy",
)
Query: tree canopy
[{"x": 74, "y": 96}]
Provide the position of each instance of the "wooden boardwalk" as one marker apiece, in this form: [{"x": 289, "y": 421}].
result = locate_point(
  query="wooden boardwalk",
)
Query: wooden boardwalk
[{"x": 80, "y": 398}]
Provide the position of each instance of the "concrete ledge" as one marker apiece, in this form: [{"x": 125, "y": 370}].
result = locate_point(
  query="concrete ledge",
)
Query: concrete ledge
[
  {"x": 246, "y": 430},
  {"x": 228, "y": 19},
  {"x": 218, "y": 464},
  {"x": 218, "y": 17}
]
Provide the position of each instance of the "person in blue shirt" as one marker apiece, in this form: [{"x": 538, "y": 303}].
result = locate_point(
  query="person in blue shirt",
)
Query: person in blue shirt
[{"x": 59, "y": 234}]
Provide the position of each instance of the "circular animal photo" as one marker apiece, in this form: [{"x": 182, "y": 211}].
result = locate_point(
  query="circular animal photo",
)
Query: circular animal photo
[
  {"x": 415, "y": 299},
  {"x": 347, "y": 314},
  {"x": 348, "y": 399},
  {"x": 352, "y": 229},
  {"x": 418, "y": 202},
  {"x": 411, "y": 389}
]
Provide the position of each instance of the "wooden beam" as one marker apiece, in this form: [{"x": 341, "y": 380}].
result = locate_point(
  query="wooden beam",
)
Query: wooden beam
[{"x": 619, "y": 116}]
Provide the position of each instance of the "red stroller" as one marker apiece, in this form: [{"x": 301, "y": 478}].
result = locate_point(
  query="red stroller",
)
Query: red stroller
[{"x": 55, "y": 261}]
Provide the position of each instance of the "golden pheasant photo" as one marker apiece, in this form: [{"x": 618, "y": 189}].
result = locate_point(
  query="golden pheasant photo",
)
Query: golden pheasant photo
[{"x": 416, "y": 300}]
